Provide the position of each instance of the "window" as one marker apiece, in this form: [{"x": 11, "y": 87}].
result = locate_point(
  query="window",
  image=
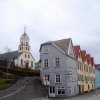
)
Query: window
[
  {"x": 31, "y": 63},
  {"x": 25, "y": 55},
  {"x": 20, "y": 48},
  {"x": 21, "y": 61},
  {"x": 57, "y": 62},
  {"x": 69, "y": 90},
  {"x": 78, "y": 66},
  {"x": 26, "y": 48},
  {"x": 45, "y": 49},
  {"x": 47, "y": 78},
  {"x": 45, "y": 63},
  {"x": 28, "y": 56},
  {"x": 69, "y": 76},
  {"x": 52, "y": 89},
  {"x": 58, "y": 78},
  {"x": 61, "y": 91}
]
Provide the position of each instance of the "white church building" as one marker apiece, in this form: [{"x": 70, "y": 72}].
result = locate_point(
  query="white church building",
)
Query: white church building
[{"x": 22, "y": 57}]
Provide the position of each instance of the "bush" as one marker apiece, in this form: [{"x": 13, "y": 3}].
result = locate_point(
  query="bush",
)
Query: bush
[
  {"x": 5, "y": 83},
  {"x": 0, "y": 73},
  {"x": 21, "y": 72}
]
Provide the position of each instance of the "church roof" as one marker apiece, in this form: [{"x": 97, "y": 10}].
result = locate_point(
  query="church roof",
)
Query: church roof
[{"x": 11, "y": 55}]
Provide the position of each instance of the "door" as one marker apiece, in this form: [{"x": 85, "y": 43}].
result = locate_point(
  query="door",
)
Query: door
[
  {"x": 79, "y": 88},
  {"x": 51, "y": 91},
  {"x": 27, "y": 65}
]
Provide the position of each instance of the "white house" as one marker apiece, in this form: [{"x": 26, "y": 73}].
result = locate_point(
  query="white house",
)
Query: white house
[{"x": 22, "y": 57}]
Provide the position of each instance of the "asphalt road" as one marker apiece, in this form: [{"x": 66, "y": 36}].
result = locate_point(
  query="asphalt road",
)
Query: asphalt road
[
  {"x": 30, "y": 88},
  {"x": 25, "y": 89}
]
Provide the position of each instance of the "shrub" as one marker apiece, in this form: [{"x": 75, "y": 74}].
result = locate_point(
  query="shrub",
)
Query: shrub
[{"x": 21, "y": 72}]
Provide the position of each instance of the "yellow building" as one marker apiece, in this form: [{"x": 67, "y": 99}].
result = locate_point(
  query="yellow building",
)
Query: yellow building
[{"x": 85, "y": 68}]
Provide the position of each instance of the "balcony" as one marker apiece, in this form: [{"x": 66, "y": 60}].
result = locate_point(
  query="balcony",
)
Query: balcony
[{"x": 46, "y": 82}]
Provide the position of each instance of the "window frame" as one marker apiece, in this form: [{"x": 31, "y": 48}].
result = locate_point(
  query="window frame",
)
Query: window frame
[
  {"x": 45, "y": 49},
  {"x": 45, "y": 63},
  {"x": 58, "y": 78},
  {"x": 57, "y": 62},
  {"x": 62, "y": 89}
]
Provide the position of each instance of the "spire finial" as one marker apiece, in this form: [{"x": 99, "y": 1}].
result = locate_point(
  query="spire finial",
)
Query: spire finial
[{"x": 24, "y": 29}]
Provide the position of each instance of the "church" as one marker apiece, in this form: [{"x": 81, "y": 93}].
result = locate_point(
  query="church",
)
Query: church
[{"x": 22, "y": 57}]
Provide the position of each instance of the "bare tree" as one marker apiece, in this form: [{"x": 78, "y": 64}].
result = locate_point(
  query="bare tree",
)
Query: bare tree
[{"x": 8, "y": 58}]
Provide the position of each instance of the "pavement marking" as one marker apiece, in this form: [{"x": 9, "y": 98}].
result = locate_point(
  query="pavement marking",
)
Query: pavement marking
[{"x": 12, "y": 93}]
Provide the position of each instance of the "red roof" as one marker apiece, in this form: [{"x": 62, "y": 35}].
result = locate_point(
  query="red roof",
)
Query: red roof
[
  {"x": 76, "y": 49},
  {"x": 88, "y": 58},
  {"x": 83, "y": 53},
  {"x": 92, "y": 61},
  {"x": 85, "y": 57}
]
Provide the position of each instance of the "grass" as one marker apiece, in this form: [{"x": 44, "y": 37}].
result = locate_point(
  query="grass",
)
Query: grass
[{"x": 4, "y": 84}]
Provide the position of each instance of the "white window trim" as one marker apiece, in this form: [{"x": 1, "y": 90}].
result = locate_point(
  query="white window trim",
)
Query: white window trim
[
  {"x": 43, "y": 63},
  {"x": 44, "y": 49},
  {"x": 60, "y": 88},
  {"x": 55, "y": 79},
  {"x": 55, "y": 62}
]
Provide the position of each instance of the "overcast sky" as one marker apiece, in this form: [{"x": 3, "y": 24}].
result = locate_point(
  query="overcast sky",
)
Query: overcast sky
[{"x": 51, "y": 20}]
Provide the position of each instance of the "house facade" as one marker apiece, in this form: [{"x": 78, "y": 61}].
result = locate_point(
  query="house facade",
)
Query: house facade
[
  {"x": 85, "y": 69},
  {"x": 58, "y": 68},
  {"x": 97, "y": 72},
  {"x": 22, "y": 57}
]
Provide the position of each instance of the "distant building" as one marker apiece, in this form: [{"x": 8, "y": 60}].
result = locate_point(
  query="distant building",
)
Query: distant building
[
  {"x": 38, "y": 65},
  {"x": 22, "y": 57},
  {"x": 86, "y": 70},
  {"x": 97, "y": 71},
  {"x": 58, "y": 68}
]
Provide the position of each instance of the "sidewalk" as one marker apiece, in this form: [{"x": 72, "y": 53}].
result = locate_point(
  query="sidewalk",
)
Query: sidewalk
[{"x": 88, "y": 98}]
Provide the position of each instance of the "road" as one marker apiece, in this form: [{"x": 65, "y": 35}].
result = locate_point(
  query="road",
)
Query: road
[
  {"x": 30, "y": 88},
  {"x": 25, "y": 89}
]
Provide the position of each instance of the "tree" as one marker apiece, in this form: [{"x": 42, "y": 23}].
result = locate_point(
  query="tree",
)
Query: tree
[{"x": 8, "y": 56}]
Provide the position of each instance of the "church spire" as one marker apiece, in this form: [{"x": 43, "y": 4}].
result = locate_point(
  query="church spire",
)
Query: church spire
[{"x": 24, "y": 29}]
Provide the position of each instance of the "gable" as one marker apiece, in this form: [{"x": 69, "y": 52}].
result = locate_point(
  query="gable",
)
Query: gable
[
  {"x": 63, "y": 44},
  {"x": 71, "y": 49},
  {"x": 22, "y": 55}
]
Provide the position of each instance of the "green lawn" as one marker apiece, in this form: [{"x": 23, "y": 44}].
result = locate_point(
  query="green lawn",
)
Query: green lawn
[{"x": 4, "y": 84}]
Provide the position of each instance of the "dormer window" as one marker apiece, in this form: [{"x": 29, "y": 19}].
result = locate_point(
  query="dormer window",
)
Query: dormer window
[{"x": 45, "y": 49}]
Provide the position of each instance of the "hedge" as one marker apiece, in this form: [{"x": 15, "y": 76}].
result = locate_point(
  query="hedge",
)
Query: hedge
[{"x": 21, "y": 72}]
